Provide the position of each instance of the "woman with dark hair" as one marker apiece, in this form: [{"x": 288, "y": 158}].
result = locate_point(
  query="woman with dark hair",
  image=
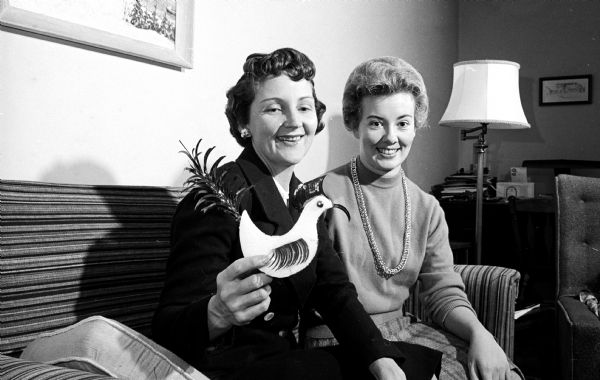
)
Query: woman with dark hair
[
  {"x": 397, "y": 233},
  {"x": 217, "y": 310}
]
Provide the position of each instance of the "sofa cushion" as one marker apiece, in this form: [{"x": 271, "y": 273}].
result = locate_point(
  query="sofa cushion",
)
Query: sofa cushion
[
  {"x": 107, "y": 347},
  {"x": 18, "y": 369}
]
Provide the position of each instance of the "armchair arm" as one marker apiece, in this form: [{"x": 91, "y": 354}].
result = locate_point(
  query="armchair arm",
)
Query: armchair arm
[
  {"x": 492, "y": 291},
  {"x": 14, "y": 368},
  {"x": 576, "y": 323}
]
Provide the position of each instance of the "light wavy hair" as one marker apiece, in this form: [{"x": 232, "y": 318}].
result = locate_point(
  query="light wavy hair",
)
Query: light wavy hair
[{"x": 383, "y": 76}]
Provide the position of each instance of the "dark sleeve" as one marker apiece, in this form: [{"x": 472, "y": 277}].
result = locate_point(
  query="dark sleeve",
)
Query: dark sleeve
[
  {"x": 201, "y": 246},
  {"x": 336, "y": 299}
]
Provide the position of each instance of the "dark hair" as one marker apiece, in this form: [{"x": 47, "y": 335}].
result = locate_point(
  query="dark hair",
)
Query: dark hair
[
  {"x": 258, "y": 68},
  {"x": 383, "y": 76}
]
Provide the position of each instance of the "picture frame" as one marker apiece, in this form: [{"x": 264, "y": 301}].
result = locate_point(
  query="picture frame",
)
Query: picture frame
[
  {"x": 565, "y": 90},
  {"x": 155, "y": 30}
]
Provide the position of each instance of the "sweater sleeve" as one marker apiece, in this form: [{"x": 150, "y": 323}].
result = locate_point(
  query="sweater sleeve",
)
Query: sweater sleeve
[
  {"x": 442, "y": 289},
  {"x": 201, "y": 244},
  {"x": 335, "y": 298}
]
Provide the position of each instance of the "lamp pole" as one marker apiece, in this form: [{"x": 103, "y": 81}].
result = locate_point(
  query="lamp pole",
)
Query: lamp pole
[{"x": 481, "y": 146}]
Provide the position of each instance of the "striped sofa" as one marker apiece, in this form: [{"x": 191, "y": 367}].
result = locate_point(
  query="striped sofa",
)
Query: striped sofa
[{"x": 68, "y": 252}]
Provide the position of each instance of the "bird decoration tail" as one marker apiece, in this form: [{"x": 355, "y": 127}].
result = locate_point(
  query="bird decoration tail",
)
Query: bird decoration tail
[
  {"x": 290, "y": 254},
  {"x": 208, "y": 184}
]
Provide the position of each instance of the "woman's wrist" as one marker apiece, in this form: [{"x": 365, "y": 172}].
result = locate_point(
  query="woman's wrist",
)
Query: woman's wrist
[
  {"x": 462, "y": 322},
  {"x": 217, "y": 324},
  {"x": 477, "y": 330},
  {"x": 386, "y": 368}
]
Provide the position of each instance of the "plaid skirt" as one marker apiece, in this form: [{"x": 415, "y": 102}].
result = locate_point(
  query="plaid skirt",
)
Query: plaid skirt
[{"x": 407, "y": 329}]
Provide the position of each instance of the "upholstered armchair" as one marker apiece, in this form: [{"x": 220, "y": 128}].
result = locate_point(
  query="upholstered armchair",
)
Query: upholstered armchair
[
  {"x": 578, "y": 246},
  {"x": 492, "y": 291}
]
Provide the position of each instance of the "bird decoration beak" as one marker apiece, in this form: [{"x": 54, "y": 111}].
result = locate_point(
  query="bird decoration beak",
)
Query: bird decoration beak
[
  {"x": 344, "y": 209},
  {"x": 309, "y": 190}
]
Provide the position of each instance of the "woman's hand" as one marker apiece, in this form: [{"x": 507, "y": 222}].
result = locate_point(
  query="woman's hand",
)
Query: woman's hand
[
  {"x": 487, "y": 360},
  {"x": 243, "y": 293},
  {"x": 386, "y": 369}
]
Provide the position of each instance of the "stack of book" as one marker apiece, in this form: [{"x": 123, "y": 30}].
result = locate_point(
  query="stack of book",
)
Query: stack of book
[{"x": 463, "y": 186}]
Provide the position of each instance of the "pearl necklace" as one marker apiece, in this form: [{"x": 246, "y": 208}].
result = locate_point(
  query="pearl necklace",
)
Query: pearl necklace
[{"x": 382, "y": 269}]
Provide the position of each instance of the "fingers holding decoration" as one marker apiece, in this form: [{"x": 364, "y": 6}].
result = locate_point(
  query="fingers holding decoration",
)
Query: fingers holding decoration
[
  {"x": 240, "y": 268},
  {"x": 247, "y": 315},
  {"x": 253, "y": 290},
  {"x": 246, "y": 307},
  {"x": 241, "y": 290}
]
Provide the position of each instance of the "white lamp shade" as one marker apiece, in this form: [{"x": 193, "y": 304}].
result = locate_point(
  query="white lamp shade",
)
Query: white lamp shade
[{"x": 485, "y": 91}]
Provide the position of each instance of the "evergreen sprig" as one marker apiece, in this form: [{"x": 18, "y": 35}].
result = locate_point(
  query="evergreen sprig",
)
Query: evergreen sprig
[{"x": 208, "y": 185}]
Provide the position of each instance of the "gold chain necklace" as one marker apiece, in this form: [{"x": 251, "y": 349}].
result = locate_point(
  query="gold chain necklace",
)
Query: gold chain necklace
[{"x": 382, "y": 269}]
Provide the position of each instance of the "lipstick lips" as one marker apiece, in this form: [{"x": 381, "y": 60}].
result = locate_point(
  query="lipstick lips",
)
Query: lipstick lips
[{"x": 289, "y": 138}]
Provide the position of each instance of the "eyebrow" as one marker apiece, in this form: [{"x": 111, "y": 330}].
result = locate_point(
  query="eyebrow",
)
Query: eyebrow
[
  {"x": 280, "y": 99},
  {"x": 399, "y": 117}
]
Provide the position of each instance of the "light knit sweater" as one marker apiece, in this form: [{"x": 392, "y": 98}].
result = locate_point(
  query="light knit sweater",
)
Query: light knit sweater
[{"x": 430, "y": 257}]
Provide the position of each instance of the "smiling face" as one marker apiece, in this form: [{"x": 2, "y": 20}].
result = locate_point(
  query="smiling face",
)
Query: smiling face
[
  {"x": 386, "y": 131},
  {"x": 282, "y": 122}
]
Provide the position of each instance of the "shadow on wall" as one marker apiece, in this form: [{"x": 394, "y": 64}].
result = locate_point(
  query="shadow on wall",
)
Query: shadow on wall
[
  {"x": 342, "y": 143},
  {"x": 81, "y": 172}
]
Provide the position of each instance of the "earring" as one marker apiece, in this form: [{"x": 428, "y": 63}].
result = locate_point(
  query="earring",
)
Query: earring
[{"x": 245, "y": 133}]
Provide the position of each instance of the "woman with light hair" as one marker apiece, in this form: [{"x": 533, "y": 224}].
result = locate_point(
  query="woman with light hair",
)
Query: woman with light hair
[{"x": 397, "y": 233}]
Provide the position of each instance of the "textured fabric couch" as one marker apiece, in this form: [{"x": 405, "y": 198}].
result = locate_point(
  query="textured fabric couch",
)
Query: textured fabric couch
[
  {"x": 68, "y": 252},
  {"x": 578, "y": 245}
]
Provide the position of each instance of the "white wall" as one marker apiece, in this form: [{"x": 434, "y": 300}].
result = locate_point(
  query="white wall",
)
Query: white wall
[{"x": 74, "y": 114}]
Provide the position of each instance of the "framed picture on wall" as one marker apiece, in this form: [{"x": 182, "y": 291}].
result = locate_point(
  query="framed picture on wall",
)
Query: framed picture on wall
[
  {"x": 575, "y": 89},
  {"x": 156, "y": 30}
]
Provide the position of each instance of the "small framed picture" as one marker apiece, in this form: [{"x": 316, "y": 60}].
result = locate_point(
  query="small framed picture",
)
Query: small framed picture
[{"x": 575, "y": 89}]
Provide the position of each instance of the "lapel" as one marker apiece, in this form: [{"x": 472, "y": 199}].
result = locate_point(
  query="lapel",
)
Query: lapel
[
  {"x": 275, "y": 211},
  {"x": 266, "y": 193}
]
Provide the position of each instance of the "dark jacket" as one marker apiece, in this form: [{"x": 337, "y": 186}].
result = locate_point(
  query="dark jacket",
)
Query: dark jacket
[{"x": 204, "y": 244}]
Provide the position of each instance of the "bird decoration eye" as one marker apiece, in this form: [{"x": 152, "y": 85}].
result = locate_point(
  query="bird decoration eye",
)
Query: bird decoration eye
[{"x": 320, "y": 204}]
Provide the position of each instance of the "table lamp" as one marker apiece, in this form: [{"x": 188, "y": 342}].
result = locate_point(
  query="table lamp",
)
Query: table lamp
[{"x": 485, "y": 94}]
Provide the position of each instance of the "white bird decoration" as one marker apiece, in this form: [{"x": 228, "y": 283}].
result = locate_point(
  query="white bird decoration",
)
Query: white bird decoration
[
  {"x": 289, "y": 253},
  {"x": 293, "y": 251}
]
